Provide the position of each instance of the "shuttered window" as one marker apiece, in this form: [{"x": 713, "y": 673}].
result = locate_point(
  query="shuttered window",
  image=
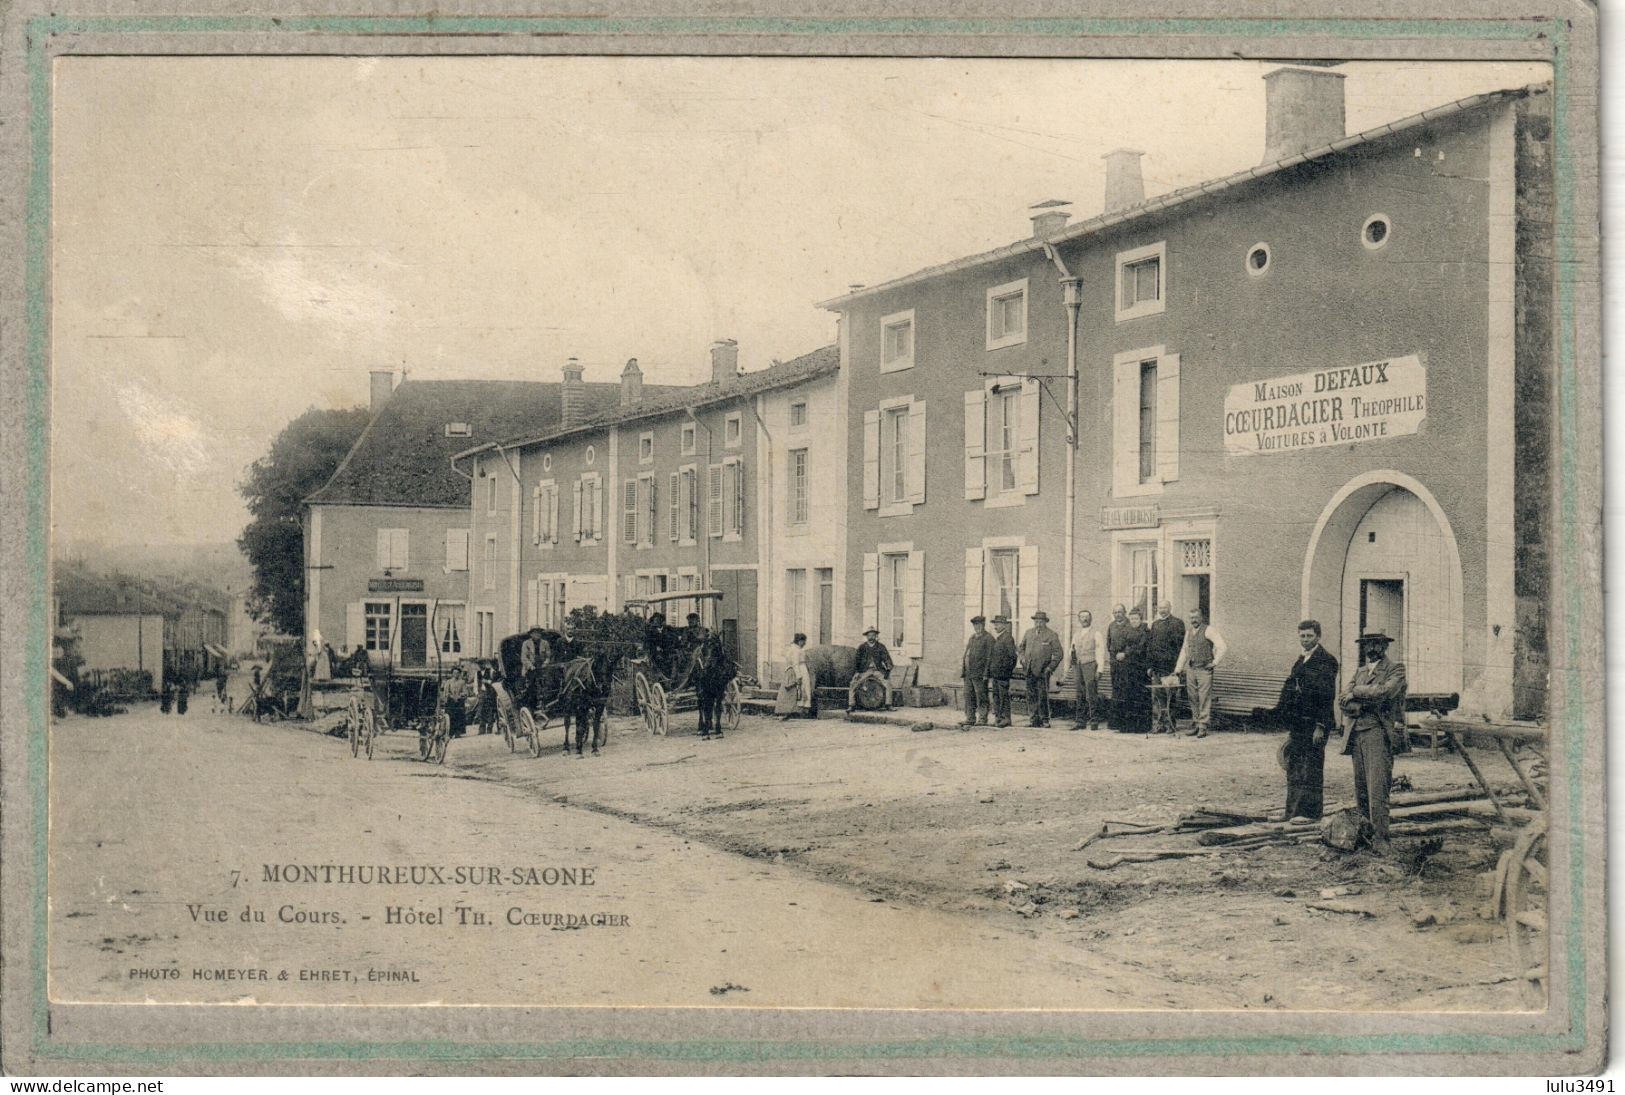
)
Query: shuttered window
[
  {"x": 714, "y": 499},
  {"x": 456, "y": 549},
  {"x": 629, "y": 511},
  {"x": 1145, "y": 421},
  {"x": 392, "y": 545},
  {"x": 674, "y": 492},
  {"x": 798, "y": 487},
  {"x": 648, "y": 511}
]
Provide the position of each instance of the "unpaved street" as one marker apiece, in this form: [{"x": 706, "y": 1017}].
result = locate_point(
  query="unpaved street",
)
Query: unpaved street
[
  {"x": 159, "y": 823},
  {"x": 801, "y": 863}
]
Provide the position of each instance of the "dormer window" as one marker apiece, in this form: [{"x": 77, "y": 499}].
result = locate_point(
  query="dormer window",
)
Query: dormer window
[
  {"x": 897, "y": 342},
  {"x": 458, "y": 429}
]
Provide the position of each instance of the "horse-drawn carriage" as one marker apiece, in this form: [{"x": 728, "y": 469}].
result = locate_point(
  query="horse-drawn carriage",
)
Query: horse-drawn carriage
[
  {"x": 393, "y": 699},
  {"x": 571, "y": 682},
  {"x": 672, "y": 672}
]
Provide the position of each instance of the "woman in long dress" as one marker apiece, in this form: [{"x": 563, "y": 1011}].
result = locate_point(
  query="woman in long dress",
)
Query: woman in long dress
[
  {"x": 1136, "y": 676},
  {"x": 795, "y": 690}
]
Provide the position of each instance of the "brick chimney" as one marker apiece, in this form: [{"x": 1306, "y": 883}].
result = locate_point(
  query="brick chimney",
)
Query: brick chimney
[
  {"x": 572, "y": 395},
  {"x": 1124, "y": 185},
  {"x": 631, "y": 382},
  {"x": 383, "y": 384},
  {"x": 1303, "y": 109},
  {"x": 1049, "y": 217},
  {"x": 724, "y": 360}
]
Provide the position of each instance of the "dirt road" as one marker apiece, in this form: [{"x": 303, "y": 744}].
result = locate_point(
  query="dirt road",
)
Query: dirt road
[{"x": 174, "y": 839}]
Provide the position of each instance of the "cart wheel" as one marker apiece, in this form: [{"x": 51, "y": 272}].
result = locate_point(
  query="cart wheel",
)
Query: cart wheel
[
  {"x": 659, "y": 708},
  {"x": 442, "y": 737},
  {"x": 640, "y": 689},
  {"x": 369, "y": 722},
  {"x": 732, "y": 705},
  {"x": 425, "y": 743},
  {"x": 507, "y": 729},
  {"x": 352, "y": 724},
  {"x": 529, "y": 730},
  {"x": 1524, "y": 907}
]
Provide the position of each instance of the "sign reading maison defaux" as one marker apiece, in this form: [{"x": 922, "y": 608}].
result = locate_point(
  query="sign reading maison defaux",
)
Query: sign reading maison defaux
[{"x": 1337, "y": 406}]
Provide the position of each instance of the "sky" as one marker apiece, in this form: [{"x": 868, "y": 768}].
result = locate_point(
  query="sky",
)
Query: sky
[{"x": 236, "y": 240}]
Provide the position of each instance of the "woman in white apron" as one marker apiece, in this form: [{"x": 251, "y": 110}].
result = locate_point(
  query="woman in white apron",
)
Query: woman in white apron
[{"x": 795, "y": 690}]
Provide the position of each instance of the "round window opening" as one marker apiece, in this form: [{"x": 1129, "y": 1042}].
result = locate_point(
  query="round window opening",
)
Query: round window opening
[
  {"x": 1376, "y": 232},
  {"x": 592, "y": 454},
  {"x": 547, "y": 461},
  {"x": 1258, "y": 259}
]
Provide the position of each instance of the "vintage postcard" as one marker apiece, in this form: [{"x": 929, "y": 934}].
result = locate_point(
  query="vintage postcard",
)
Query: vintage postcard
[{"x": 1055, "y": 541}]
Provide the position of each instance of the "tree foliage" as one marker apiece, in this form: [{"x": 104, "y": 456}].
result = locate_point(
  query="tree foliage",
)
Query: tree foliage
[{"x": 302, "y": 458}]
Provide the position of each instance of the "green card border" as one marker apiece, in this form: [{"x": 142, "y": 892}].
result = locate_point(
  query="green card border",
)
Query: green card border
[{"x": 1555, "y": 32}]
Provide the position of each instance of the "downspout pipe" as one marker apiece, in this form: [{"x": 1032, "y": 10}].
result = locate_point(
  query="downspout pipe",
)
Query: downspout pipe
[{"x": 1072, "y": 299}]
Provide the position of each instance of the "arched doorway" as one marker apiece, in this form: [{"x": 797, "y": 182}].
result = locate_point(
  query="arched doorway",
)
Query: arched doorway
[{"x": 1383, "y": 557}]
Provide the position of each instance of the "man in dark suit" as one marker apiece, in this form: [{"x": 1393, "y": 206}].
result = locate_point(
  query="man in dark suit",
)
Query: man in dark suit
[
  {"x": 978, "y": 654},
  {"x": 1307, "y": 705},
  {"x": 1374, "y": 706},
  {"x": 1167, "y": 637},
  {"x": 873, "y": 660},
  {"x": 1000, "y": 668}
]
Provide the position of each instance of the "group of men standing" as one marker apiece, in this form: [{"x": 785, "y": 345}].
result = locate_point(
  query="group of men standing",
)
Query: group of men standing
[
  {"x": 1136, "y": 658},
  {"x": 992, "y": 660}
]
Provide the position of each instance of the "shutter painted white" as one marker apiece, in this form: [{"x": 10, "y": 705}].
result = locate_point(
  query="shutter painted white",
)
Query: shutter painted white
[
  {"x": 871, "y": 589},
  {"x": 402, "y": 540},
  {"x": 456, "y": 549},
  {"x": 629, "y": 511},
  {"x": 553, "y": 513},
  {"x": 739, "y": 498},
  {"x": 1027, "y": 437},
  {"x": 1168, "y": 418},
  {"x": 651, "y": 512},
  {"x": 536, "y": 515},
  {"x": 580, "y": 530},
  {"x": 713, "y": 477},
  {"x": 1027, "y": 586},
  {"x": 355, "y": 625},
  {"x": 1125, "y": 427},
  {"x": 871, "y": 459},
  {"x": 916, "y": 452},
  {"x": 674, "y": 485},
  {"x": 973, "y": 586},
  {"x": 598, "y": 509},
  {"x": 975, "y": 445},
  {"x": 533, "y": 603},
  {"x": 383, "y": 549},
  {"x": 914, "y": 605}
]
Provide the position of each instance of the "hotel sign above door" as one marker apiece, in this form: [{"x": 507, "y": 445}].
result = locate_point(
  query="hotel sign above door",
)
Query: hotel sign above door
[{"x": 1343, "y": 405}]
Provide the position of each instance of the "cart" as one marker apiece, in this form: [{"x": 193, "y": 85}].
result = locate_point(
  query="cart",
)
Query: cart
[
  {"x": 397, "y": 700},
  {"x": 653, "y": 676},
  {"x": 520, "y": 722}
]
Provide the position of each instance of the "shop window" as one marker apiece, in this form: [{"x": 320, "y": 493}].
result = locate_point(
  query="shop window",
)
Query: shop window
[{"x": 378, "y": 625}]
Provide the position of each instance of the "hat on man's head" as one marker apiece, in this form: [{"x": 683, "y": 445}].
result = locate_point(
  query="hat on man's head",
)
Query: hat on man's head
[
  {"x": 871, "y": 631},
  {"x": 693, "y": 617},
  {"x": 1041, "y": 615},
  {"x": 1001, "y": 618},
  {"x": 1375, "y": 637},
  {"x": 978, "y": 619}
]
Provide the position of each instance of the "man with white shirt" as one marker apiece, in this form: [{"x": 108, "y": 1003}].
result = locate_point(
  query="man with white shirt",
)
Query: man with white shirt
[
  {"x": 1203, "y": 650},
  {"x": 1087, "y": 657}
]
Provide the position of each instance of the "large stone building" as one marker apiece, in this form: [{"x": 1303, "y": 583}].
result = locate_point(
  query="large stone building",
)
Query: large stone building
[
  {"x": 387, "y": 537},
  {"x": 1315, "y": 388},
  {"x": 732, "y": 485}
]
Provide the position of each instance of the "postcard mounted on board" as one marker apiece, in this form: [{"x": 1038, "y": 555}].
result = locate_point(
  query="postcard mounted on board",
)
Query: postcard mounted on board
[{"x": 1057, "y": 541}]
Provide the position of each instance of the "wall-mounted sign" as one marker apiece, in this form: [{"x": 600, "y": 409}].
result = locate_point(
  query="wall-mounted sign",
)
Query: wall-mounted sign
[
  {"x": 1118, "y": 517},
  {"x": 394, "y": 585},
  {"x": 1344, "y": 405}
]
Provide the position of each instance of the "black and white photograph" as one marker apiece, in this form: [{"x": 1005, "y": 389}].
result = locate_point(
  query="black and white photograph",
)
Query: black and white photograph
[{"x": 1094, "y": 538}]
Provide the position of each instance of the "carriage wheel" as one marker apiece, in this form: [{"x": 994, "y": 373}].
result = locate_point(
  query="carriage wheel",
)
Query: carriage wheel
[
  {"x": 529, "y": 730},
  {"x": 1524, "y": 907},
  {"x": 507, "y": 728},
  {"x": 369, "y": 723},
  {"x": 640, "y": 689},
  {"x": 442, "y": 737},
  {"x": 425, "y": 743},
  {"x": 352, "y": 725},
  {"x": 659, "y": 708},
  {"x": 733, "y": 705}
]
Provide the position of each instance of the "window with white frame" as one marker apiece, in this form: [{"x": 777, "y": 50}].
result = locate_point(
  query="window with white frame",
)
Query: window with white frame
[
  {"x": 646, "y": 448},
  {"x": 458, "y": 429},
  {"x": 1143, "y": 576},
  {"x": 629, "y": 511},
  {"x": 1001, "y": 591},
  {"x": 894, "y": 456},
  {"x": 545, "y": 513},
  {"x": 589, "y": 507},
  {"x": 1001, "y": 577},
  {"x": 714, "y": 496},
  {"x": 1145, "y": 421},
  {"x": 485, "y": 630},
  {"x": 686, "y": 501},
  {"x": 456, "y": 549},
  {"x": 674, "y": 511},
  {"x": 1142, "y": 281},
  {"x": 733, "y": 499},
  {"x": 893, "y": 600},
  {"x": 687, "y": 439},
  {"x": 897, "y": 342},
  {"x": 1007, "y": 315},
  {"x": 392, "y": 548},
  {"x": 491, "y": 493},
  {"x": 488, "y": 563},
  {"x": 648, "y": 510},
  {"x": 451, "y": 639},
  {"x": 798, "y": 487},
  {"x": 798, "y": 414},
  {"x": 732, "y": 431},
  {"x": 1003, "y": 437},
  {"x": 378, "y": 617},
  {"x": 894, "y": 596}
]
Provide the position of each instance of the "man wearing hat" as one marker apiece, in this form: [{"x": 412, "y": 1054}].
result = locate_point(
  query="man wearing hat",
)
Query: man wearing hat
[
  {"x": 1041, "y": 655},
  {"x": 978, "y": 654},
  {"x": 1374, "y": 707},
  {"x": 1000, "y": 667},
  {"x": 874, "y": 660}
]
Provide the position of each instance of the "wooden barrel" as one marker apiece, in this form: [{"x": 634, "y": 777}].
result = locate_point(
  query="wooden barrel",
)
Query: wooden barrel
[{"x": 831, "y": 666}]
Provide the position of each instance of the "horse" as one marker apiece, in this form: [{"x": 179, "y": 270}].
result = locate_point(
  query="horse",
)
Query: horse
[
  {"x": 709, "y": 671},
  {"x": 584, "y": 695}
]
